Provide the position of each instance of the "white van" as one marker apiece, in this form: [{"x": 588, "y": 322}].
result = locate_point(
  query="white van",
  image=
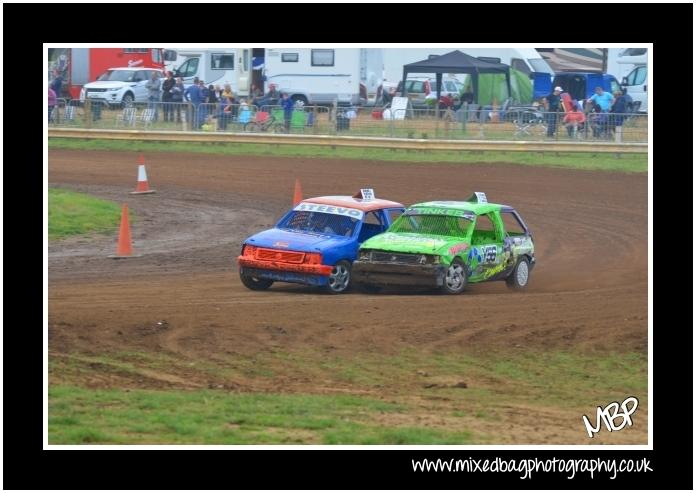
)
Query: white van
[
  {"x": 217, "y": 67},
  {"x": 635, "y": 85}
]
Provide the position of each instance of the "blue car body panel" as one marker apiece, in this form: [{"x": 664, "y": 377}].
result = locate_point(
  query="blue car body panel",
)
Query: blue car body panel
[{"x": 332, "y": 248}]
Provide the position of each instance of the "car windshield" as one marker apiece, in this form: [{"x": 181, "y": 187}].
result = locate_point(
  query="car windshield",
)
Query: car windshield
[
  {"x": 118, "y": 75},
  {"x": 428, "y": 224},
  {"x": 319, "y": 222}
]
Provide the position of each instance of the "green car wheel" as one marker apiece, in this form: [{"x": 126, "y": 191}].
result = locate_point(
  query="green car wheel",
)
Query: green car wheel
[
  {"x": 455, "y": 278},
  {"x": 519, "y": 277}
]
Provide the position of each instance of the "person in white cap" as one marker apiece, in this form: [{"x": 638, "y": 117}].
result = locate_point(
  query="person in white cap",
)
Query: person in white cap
[{"x": 552, "y": 104}]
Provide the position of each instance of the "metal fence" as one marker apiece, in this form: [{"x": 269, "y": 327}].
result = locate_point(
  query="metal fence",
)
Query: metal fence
[{"x": 468, "y": 122}]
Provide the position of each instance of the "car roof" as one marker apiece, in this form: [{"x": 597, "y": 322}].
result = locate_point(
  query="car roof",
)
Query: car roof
[
  {"x": 461, "y": 205},
  {"x": 348, "y": 201}
]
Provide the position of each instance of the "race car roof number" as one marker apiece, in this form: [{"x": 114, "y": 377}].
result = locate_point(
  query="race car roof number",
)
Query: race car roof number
[
  {"x": 367, "y": 193},
  {"x": 481, "y": 197},
  {"x": 330, "y": 209}
]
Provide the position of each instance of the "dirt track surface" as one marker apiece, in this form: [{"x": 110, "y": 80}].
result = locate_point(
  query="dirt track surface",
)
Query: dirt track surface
[{"x": 588, "y": 291}]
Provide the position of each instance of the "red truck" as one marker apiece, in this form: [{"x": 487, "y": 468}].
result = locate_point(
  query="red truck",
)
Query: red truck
[{"x": 78, "y": 66}]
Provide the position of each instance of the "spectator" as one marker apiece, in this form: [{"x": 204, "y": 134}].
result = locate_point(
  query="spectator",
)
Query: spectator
[
  {"x": 255, "y": 92},
  {"x": 287, "y": 104},
  {"x": 468, "y": 95},
  {"x": 193, "y": 95},
  {"x": 212, "y": 94},
  {"x": 552, "y": 104},
  {"x": 573, "y": 120},
  {"x": 224, "y": 115},
  {"x": 51, "y": 103},
  {"x": 232, "y": 102},
  {"x": 227, "y": 93},
  {"x": 270, "y": 98},
  {"x": 598, "y": 121},
  {"x": 177, "y": 97},
  {"x": 446, "y": 101},
  {"x": 153, "y": 87},
  {"x": 202, "y": 108},
  {"x": 603, "y": 99},
  {"x": 167, "y": 87},
  {"x": 57, "y": 82},
  {"x": 388, "y": 94},
  {"x": 618, "y": 113}
]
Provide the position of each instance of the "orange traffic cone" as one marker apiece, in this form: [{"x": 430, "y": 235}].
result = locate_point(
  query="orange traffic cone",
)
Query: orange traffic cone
[
  {"x": 142, "y": 186},
  {"x": 125, "y": 245},
  {"x": 297, "y": 198}
]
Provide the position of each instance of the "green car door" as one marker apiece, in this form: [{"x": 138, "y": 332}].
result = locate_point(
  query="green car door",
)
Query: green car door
[{"x": 485, "y": 257}]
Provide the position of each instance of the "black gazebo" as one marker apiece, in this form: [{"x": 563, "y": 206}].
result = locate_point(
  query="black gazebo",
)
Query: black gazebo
[{"x": 456, "y": 62}]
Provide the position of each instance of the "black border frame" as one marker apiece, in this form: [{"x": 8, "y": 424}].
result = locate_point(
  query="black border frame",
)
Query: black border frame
[{"x": 26, "y": 465}]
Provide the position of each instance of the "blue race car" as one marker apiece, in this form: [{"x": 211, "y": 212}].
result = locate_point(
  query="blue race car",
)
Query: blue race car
[{"x": 316, "y": 242}]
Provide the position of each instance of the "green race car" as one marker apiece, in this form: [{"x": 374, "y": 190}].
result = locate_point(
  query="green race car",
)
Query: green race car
[{"x": 448, "y": 244}]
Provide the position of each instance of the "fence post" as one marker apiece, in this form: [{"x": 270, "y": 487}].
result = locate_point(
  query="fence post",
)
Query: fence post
[
  {"x": 482, "y": 117},
  {"x": 618, "y": 130},
  {"x": 465, "y": 113},
  {"x": 88, "y": 113},
  {"x": 315, "y": 124}
]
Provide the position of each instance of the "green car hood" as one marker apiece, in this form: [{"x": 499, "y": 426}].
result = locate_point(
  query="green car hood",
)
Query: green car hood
[{"x": 412, "y": 243}]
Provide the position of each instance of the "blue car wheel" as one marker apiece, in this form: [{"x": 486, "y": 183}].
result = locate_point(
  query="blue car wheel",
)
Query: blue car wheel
[
  {"x": 339, "y": 279},
  {"x": 255, "y": 283}
]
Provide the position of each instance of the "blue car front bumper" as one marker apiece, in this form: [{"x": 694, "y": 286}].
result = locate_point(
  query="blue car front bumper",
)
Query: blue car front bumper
[{"x": 284, "y": 276}]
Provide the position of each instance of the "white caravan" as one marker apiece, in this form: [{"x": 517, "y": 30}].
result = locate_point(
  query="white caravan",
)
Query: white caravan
[
  {"x": 217, "y": 67},
  {"x": 324, "y": 75}
]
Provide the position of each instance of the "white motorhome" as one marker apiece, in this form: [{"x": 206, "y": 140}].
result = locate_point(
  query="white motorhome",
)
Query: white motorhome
[
  {"x": 633, "y": 56},
  {"x": 217, "y": 67},
  {"x": 632, "y": 70},
  {"x": 324, "y": 75}
]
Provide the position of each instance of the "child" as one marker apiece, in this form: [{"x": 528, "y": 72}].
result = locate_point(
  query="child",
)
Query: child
[{"x": 573, "y": 120}]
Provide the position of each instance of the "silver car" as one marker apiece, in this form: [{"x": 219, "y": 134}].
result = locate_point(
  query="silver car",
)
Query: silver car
[{"x": 418, "y": 87}]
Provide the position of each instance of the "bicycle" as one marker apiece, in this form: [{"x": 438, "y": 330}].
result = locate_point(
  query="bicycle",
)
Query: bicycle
[
  {"x": 528, "y": 122},
  {"x": 263, "y": 126}
]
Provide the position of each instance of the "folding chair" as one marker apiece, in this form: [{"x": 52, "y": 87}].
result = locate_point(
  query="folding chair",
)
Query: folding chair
[
  {"x": 127, "y": 117},
  {"x": 69, "y": 115},
  {"x": 147, "y": 116}
]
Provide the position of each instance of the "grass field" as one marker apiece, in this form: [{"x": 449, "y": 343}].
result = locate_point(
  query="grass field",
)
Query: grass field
[
  {"x": 407, "y": 398},
  {"x": 72, "y": 213},
  {"x": 587, "y": 161}
]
